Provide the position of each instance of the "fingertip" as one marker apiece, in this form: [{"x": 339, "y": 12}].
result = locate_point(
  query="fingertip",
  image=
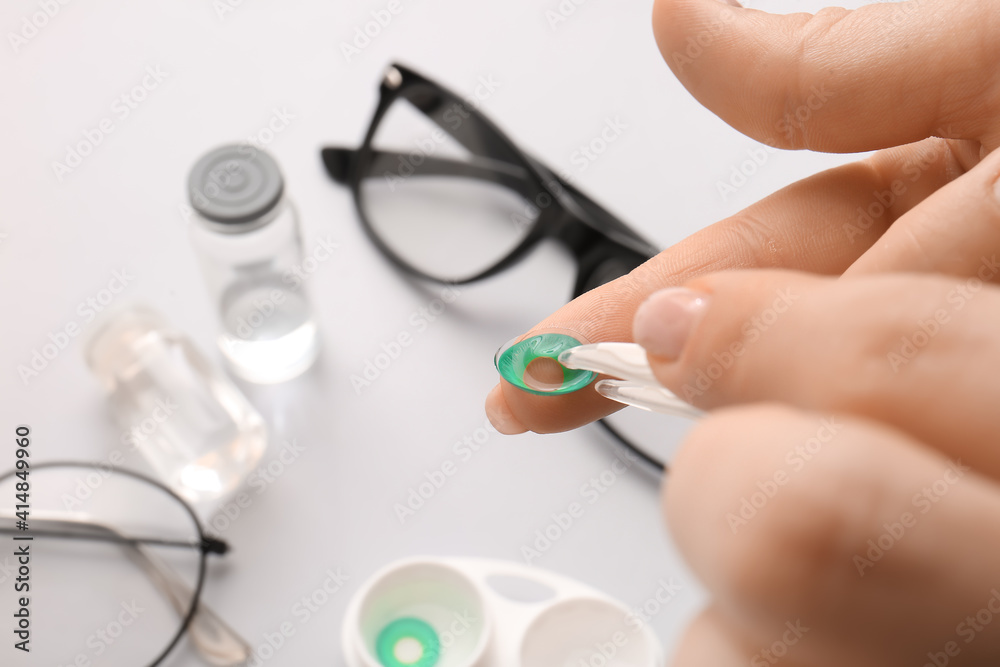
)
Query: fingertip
[
  {"x": 674, "y": 21},
  {"x": 500, "y": 415}
]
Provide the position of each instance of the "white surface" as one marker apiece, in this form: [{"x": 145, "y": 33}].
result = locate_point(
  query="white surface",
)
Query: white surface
[{"x": 333, "y": 505}]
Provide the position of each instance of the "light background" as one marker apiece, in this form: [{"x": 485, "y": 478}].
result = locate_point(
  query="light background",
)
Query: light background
[{"x": 226, "y": 74}]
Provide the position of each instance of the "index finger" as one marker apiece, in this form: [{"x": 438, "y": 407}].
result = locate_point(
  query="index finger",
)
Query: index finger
[{"x": 799, "y": 227}]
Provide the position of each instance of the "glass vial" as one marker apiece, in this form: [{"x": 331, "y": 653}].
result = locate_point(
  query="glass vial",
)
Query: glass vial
[
  {"x": 194, "y": 426},
  {"x": 246, "y": 234}
]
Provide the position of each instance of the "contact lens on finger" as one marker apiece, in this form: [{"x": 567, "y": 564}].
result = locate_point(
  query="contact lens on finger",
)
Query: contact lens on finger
[
  {"x": 532, "y": 365},
  {"x": 408, "y": 642}
]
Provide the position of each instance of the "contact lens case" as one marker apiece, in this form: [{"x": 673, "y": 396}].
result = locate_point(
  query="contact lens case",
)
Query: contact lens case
[{"x": 471, "y": 612}]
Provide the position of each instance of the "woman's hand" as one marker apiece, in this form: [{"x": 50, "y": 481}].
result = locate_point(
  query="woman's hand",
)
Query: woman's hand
[
  {"x": 883, "y": 75},
  {"x": 854, "y": 496},
  {"x": 841, "y": 500}
]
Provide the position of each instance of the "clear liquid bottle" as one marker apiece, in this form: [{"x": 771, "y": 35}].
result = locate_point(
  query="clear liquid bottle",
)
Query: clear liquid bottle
[
  {"x": 246, "y": 234},
  {"x": 196, "y": 429}
]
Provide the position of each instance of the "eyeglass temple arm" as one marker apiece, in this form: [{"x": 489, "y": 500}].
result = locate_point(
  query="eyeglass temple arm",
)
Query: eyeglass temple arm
[
  {"x": 339, "y": 163},
  {"x": 218, "y": 643},
  {"x": 626, "y": 235},
  {"x": 208, "y": 545}
]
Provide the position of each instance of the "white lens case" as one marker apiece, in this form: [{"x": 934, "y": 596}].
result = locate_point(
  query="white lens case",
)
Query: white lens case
[{"x": 489, "y": 613}]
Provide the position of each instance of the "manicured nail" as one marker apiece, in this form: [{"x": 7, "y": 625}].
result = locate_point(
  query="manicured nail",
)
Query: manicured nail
[
  {"x": 665, "y": 320},
  {"x": 500, "y": 416}
]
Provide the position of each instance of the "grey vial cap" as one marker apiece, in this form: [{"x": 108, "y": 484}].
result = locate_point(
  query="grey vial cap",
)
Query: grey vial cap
[{"x": 233, "y": 185}]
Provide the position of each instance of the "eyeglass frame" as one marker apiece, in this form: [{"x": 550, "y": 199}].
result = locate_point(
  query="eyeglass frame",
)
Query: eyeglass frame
[
  {"x": 591, "y": 233},
  {"x": 206, "y": 544}
]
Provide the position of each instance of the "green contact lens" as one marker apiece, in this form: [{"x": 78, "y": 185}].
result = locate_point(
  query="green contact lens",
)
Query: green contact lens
[
  {"x": 408, "y": 642},
  {"x": 532, "y": 365}
]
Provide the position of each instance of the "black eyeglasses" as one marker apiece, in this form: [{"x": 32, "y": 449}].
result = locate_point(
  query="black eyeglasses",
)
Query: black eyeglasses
[
  {"x": 446, "y": 196},
  {"x": 113, "y": 567}
]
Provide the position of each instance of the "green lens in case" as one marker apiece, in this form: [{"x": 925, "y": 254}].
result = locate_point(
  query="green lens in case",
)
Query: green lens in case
[{"x": 408, "y": 642}]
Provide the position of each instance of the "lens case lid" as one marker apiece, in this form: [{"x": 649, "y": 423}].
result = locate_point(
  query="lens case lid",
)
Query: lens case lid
[{"x": 532, "y": 365}]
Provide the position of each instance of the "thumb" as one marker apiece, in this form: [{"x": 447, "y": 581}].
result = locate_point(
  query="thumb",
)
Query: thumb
[{"x": 882, "y": 75}]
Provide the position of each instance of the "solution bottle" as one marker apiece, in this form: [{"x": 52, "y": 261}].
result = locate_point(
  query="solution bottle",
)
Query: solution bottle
[
  {"x": 246, "y": 235},
  {"x": 196, "y": 429}
]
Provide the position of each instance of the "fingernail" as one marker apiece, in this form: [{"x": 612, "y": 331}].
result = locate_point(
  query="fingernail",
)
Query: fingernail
[
  {"x": 665, "y": 320},
  {"x": 500, "y": 416},
  {"x": 732, "y": 3}
]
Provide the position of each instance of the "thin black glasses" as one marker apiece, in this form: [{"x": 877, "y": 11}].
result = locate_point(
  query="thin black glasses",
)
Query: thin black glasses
[
  {"x": 446, "y": 196},
  {"x": 112, "y": 566}
]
